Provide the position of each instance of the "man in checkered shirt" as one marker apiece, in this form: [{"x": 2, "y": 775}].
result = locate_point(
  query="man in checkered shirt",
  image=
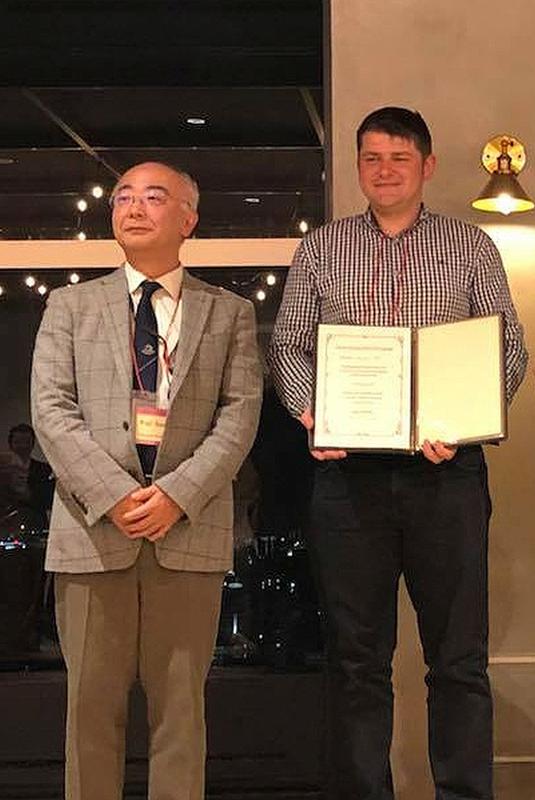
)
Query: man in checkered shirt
[{"x": 375, "y": 517}]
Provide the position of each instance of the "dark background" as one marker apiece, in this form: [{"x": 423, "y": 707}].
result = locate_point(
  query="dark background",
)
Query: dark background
[
  {"x": 86, "y": 90},
  {"x": 89, "y": 88}
]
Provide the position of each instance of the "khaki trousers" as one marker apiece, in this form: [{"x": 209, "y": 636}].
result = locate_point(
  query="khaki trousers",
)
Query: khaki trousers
[{"x": 148, "y": 622}]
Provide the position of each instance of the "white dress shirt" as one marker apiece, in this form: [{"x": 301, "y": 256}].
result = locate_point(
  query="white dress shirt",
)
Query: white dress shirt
[{"x": 167, "y": 305}]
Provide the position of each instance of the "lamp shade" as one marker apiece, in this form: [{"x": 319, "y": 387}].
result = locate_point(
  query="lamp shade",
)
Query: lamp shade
[{"x": 503, "y": 193}]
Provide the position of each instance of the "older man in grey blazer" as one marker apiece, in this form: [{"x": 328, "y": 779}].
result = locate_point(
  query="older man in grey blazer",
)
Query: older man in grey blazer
[{"x": 146, "y": 393}]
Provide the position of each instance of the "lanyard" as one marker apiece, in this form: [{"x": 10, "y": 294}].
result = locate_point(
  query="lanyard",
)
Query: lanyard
[{"x": 396, "y": 304}]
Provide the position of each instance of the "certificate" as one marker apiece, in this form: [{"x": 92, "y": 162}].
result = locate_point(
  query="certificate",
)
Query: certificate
[{"x": 392, "y": 388}]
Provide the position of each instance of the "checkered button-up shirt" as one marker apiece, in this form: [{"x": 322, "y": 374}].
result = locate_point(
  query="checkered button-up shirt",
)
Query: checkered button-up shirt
[{"x": 348, "y": 271}]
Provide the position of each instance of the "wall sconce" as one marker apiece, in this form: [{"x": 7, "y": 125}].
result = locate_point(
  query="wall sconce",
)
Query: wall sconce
[{"x": 504, "y": 157}]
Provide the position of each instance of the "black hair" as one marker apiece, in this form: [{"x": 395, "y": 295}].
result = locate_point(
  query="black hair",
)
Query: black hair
[
  {"x": 398, "y": 122},
  {"x": 23, "y": 427}
]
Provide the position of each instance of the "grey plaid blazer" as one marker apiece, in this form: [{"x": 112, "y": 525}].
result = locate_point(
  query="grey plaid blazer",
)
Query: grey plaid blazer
[{"x": 81, "y": 397}]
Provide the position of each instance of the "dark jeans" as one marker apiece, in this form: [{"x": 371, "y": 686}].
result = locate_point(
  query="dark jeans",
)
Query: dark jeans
[{"x": 373, "y": 518}]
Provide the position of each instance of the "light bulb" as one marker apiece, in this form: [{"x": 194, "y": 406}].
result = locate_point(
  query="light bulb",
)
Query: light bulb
[{"x": 505, "y": 204}]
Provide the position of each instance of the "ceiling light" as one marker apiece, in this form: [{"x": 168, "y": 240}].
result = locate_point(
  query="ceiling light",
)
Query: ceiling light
[
  {"x": 6, "y": 161},
  {"x": 196, "y": 120},
  {"x": 261, "y": 295},
  {"x": 74, "y": 277},
  {"x": 30, "y": 281},
  {"x": 271, "y": 280},
  {"x": 81, "y": 236},
  {"x": 1, "y": 291},
  {"x": 81, "y": 205},
  {"x": 97, "y": 192},
  {"x": 251, "y": 200},
  {"x": 42, "y": 289},
  {"x": 303, "y": 225}
]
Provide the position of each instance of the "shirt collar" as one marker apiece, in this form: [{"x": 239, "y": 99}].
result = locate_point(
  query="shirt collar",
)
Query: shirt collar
[
  {"x": 423, "y": 215},
  {"x": 171, "y": 281}
]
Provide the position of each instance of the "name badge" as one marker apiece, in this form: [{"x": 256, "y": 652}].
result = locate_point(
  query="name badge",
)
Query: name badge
[{"x": 149, "y": 418}]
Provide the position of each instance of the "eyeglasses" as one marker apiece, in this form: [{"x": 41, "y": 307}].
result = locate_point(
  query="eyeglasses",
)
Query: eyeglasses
[{"x": 150, "y": 197}]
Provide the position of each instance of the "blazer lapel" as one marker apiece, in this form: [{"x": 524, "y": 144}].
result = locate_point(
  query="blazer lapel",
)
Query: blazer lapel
[
  {"x": 196, "y": 303},
  {"x": 115, "y": 312}
]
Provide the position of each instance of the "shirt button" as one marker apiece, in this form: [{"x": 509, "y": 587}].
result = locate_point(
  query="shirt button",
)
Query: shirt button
[{"x": 125, "y": 425}]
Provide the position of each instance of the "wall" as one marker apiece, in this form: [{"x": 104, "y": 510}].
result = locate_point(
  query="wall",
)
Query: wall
[{"x": 467, "y": 67}]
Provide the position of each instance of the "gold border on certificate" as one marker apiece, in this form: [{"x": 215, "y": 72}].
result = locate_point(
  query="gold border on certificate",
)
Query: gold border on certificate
[{"x": 363, "y": 388}]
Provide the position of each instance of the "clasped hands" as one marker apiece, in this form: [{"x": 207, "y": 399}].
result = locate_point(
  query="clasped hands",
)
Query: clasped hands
[
  {"x": 436, "y": 452},
  {"x": 146, "y": 513}
]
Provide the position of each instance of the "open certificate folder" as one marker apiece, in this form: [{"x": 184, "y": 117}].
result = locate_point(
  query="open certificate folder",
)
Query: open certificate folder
[{"x": 393, "y": 388}]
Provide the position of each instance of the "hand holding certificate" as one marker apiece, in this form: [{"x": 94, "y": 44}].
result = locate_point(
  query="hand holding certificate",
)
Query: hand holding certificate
[{"x": 393, "y": 388}]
